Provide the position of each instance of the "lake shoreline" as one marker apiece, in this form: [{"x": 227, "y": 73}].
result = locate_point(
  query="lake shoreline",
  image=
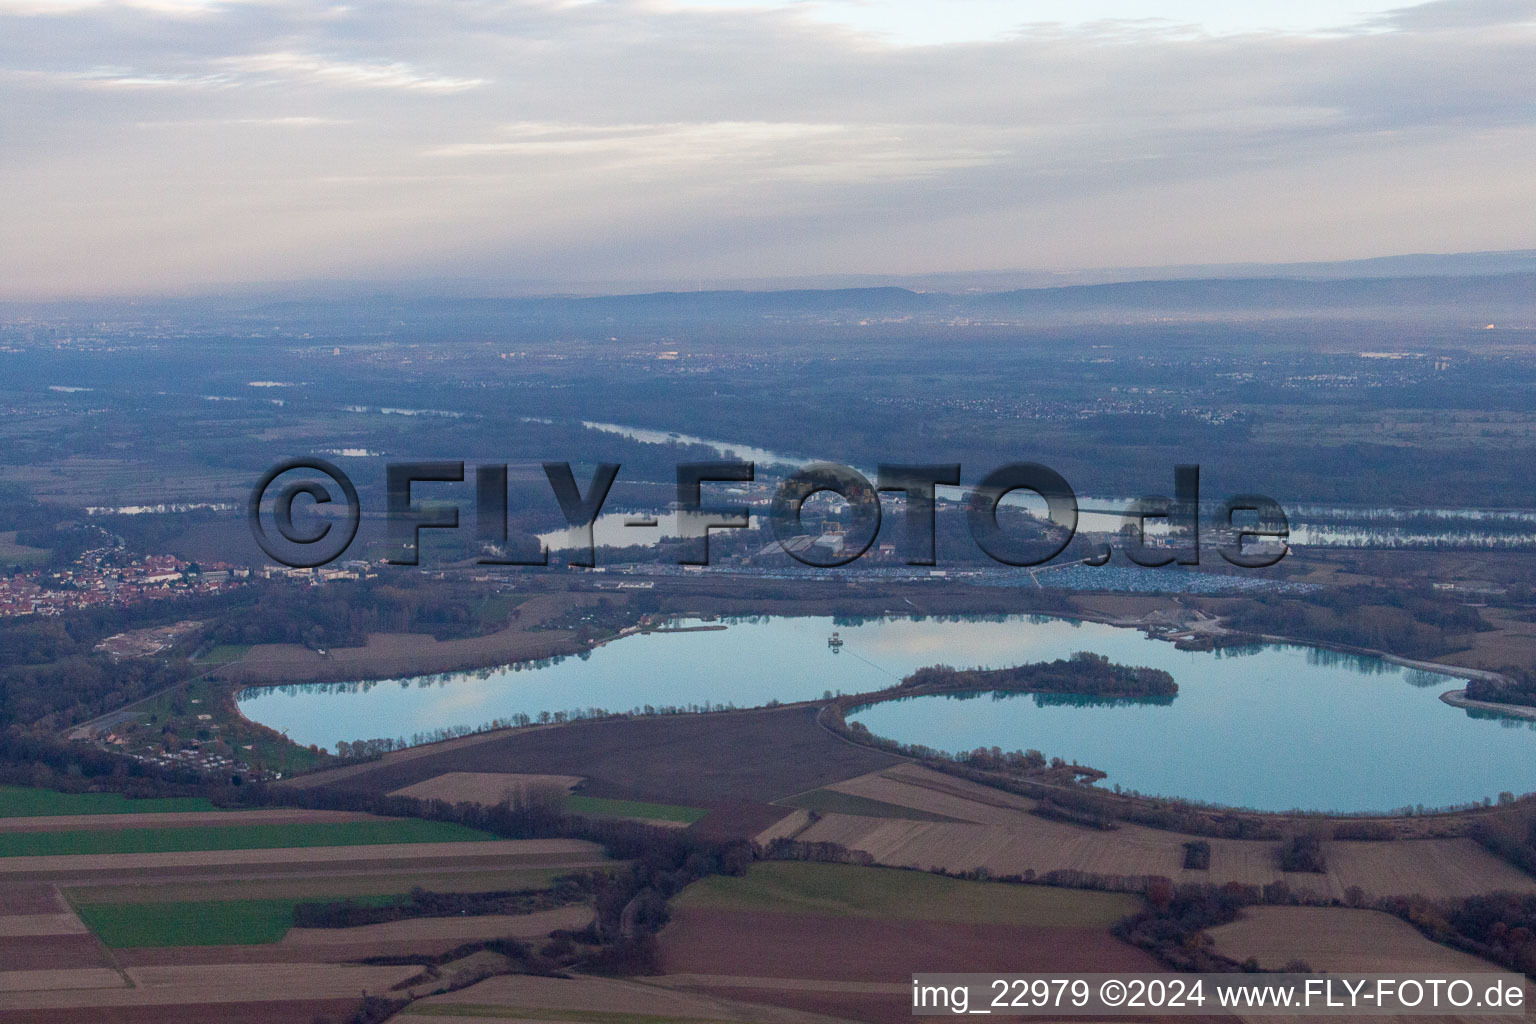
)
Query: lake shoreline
[{"x": 1459, "y": 699}]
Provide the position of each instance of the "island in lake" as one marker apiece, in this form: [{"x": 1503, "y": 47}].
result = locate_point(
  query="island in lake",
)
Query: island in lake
[{"x": 1084, "y": 673}]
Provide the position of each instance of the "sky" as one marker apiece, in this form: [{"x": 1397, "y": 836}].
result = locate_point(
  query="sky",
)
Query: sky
[{"x": 178, "y": 146}]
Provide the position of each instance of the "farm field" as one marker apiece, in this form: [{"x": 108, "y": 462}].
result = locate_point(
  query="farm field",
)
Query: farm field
[
  {"x": 221, "y": 865},
  {"x": 30, "y": 900},
  {"x": 844, "y": 890},
  {"x": 587, "y": 1000},
  {"x": 52, "y": 952},
  {"x": 26, "y": 802},
  {"x": 178, "y": 819},
  {"x": 835, "y": 800},
  {"x": 12, "y": 553},
  {"x": 40, "y": 936},
  {"x": 634, "y": 809},
  {"x": 279, "y": 942},
  {"x": 1435, "y": 868},
  {"x": 490, "y": 788},
  {"x": 203, "y": 923},
  {"x": 428, "y": 933},
  {"x": 415, "y": 937},
  {"x": 139, "y": 940},
  {"x": 487, "y": 788},
  {"x": 177, "y": 993},
  {"x": 1338, "y": 940},
  {"x": 232, "y": 837},
  {"x": 320, "y": 887},
  {"x": 687, "y": 760},
  {"x": 996, "y": 831},
  {"x": 944, "y": 797},
  {"x": 396, "y": 654},
  {"x": 222, "y": 654},
  {"x": 841, "y": 941}
]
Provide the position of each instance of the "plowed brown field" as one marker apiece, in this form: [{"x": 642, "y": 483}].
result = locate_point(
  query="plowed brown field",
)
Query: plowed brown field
[
  {"x": 861, "y": 968},
  {"x": 1435, "y": 868},
  {"x": 170, "y": 986},
  {"x": 30, "y": 898},
  {"x": 694, "y": 760},
  {"x": 602, "y": 997},
  {"x": 1338, "y": 940},
  {"x": 51, "y": 952},
  {"x": 22, "y": 925}
]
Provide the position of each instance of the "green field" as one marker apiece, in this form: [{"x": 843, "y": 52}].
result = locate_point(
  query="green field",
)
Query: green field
[
  {"x": 233, "y": 837},
  {"x": 600, "y": 808},
  {"x": 830, "y": 801},
  {"x": 221, "y": 923},
  {"x": 21, "y": 802},
  {"x": 844, "y": 890},
  {"x": 221, "y": 654},
  {"x": 12, "y": 553},
  {"x": 319, "y": 888},
  {"x": 195, "y": 923}
]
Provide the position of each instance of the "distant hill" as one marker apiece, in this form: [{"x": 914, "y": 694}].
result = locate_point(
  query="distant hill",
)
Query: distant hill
[{"x": 1459, "y": 299}]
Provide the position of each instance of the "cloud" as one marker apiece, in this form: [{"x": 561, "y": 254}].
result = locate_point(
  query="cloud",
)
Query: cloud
[
  {"x": 1439, "y": 15},
  {"x": 631, "y": 139},
  {"x": 259, "y": 122},
  {"x": 780, "y": 151},
  {"x": 173, "y": 8},
  {"x": 355, "y": 74}
]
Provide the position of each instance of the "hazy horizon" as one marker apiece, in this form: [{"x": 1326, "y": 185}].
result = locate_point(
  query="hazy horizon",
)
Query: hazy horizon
[{"x": 959, "y": 283}]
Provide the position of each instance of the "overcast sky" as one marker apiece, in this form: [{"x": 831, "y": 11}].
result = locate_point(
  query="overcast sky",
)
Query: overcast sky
[{"x": 175, "y": 145}]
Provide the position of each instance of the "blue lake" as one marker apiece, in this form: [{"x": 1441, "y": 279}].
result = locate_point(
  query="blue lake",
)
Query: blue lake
[{"x": 1274, "y": 728}]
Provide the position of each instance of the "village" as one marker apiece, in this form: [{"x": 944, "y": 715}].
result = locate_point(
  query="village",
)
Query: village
[{"x": 106, "y": 577}]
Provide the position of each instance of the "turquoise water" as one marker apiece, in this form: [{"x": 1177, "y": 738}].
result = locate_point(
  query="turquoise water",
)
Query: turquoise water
[{"x": 1273, "y": 728}]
